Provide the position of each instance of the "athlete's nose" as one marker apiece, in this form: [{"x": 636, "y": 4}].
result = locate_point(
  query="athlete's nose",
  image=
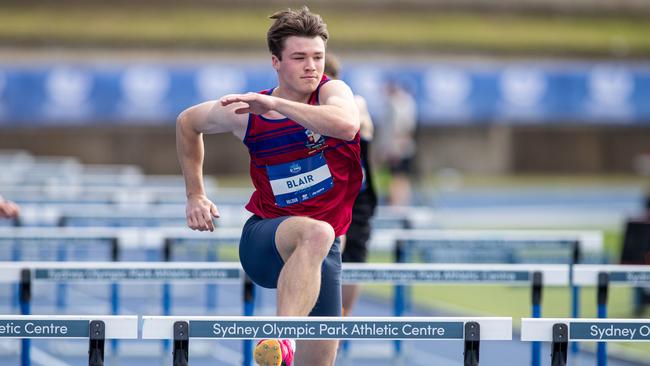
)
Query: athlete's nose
[{"x": 310, "y": 65}]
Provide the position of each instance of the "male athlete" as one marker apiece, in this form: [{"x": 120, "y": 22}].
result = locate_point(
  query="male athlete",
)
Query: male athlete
[{"x": 303, "y": 142}]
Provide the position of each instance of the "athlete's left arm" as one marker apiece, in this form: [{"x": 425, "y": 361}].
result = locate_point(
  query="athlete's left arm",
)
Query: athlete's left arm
[{"x": 336, "y": 116}]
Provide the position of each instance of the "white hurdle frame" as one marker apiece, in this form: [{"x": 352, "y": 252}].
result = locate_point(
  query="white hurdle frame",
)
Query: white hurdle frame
[
  {"x": 562, "y": 331},
  {"x": 471, "y": 330},
  {"x": 602, "y": 276}
]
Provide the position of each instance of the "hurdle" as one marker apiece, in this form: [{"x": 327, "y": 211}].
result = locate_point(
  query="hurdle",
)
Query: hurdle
[
  {"x": 563, "y": 331},
  {"x": 603, "y": 276},
  {"x": 170, "y": 238},
  {"x": 26, "y": 273},
  {"x": 470, "y": 330},
  {"x": 17, "y": 237},
  {"x": 490, "y": 246},
  {"x": 97, "y": 328},
  {"x": 534, "y": 275},
  {"x": 173, "y": 237}
]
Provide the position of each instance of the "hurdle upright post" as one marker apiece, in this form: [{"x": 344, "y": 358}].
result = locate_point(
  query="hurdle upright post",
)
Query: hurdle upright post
[
  {"x": 603, "y": 284},
  {"x": 62, "y": 288},
  {"x": 115, "y": 288},
  {"x": 181, "y": 353},
  {"x": 249, "y": 308},
  {"x": 576, "y": 258},
  {"x": 96, "y": 336},
  {"x": 166, "y": 287},
  {"x": 560, "y": 345},
  {"x": 536, "y": 313},
  {"x": 472, "y": 343},
  {"x": 399, "y": 301},
  {"x": 25, "y": 297},
  {"x": 211, "y": 294}
]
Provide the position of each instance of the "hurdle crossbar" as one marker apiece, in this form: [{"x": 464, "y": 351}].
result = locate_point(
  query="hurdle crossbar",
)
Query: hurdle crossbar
[
  {"x": 589, "y": 241},
  {"x": 11, "y": 272},
  {"x": 587, "y": 330},
  {"x": 182, "y": 329},
  {"x": 363, "y": 328},
  {"x": 484, "y": 274},
  {"x": 618, "y": 275}
]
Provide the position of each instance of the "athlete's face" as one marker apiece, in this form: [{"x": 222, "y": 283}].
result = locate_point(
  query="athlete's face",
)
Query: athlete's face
[{"x": 302, "y": 64}]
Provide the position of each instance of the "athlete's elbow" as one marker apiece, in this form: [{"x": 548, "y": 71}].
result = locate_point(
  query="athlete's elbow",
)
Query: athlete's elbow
[
  {"x": 185, "y": 122},
  {"x": 349, "y": 131},
  {"x": 182, "y": 119}
]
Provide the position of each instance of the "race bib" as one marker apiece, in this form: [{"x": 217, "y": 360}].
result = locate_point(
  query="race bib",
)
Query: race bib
[{"x": 300, "y": 180}]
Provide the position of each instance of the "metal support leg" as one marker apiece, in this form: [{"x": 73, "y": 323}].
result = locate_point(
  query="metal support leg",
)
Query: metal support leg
[
  {"x": 472, "y": 343},
  {"x": 181, "y": 344},
  {"x": 97, "y": 336},
  {"x": 603, "y": 284},
  {"x": 560, "y": 344}
]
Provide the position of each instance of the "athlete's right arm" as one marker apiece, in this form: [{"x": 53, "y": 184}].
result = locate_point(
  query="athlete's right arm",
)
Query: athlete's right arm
[{"x": 191, "y": 124}]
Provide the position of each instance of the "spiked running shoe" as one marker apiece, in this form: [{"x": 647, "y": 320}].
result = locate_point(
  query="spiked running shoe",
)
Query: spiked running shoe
[{"x": 274, "y": 352}]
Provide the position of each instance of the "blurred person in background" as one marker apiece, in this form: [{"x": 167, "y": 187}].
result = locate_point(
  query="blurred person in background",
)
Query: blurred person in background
[
  {"x": 8, "y": 209},
  {"x": 396, "y": 143},
  {"x": 303, "y": 142},
  {"x": 355, "y": 242}
]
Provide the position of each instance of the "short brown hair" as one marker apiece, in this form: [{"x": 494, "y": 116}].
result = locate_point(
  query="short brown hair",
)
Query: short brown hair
[
  {"x": 332, "y": 66},
  {"x": 301, "y": 23}
]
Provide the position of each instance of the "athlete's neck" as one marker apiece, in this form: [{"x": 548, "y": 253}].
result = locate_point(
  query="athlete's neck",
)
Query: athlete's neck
[{"x": 286, "y": 93}]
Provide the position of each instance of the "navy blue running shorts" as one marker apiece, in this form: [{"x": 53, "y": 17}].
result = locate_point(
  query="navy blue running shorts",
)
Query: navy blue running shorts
[{"x": 262, "y": 262}]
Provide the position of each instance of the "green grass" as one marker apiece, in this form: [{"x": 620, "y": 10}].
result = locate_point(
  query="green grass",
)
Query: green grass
[{"x": 232, "y": 28}]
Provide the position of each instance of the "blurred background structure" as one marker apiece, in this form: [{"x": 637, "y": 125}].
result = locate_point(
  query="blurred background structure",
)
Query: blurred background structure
[
  {"x": 530, "y": 113},
  {"x": 502, "y": 87}
]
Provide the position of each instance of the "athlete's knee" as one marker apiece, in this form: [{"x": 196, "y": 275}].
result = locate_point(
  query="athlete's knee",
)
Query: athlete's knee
[{"x": 317, "y": 238}]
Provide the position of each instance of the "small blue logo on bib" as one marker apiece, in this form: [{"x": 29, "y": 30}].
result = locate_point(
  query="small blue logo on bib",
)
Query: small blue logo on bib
[{"x": 295, "y": 168}]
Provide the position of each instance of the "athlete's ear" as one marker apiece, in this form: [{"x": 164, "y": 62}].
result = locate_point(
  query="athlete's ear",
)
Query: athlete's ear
[{"x": 276, "y": 62}]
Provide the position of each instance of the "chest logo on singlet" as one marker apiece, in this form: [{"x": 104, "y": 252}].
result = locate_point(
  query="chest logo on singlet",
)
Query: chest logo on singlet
[
  {"x": 315, "y": 141},
  {"x": 300, "y": 180}
]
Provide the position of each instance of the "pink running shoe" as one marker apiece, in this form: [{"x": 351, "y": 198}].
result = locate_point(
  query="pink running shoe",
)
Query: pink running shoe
[{"x": 275, "y": 352}]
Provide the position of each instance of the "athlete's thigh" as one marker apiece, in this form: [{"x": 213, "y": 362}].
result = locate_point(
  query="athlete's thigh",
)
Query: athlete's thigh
[
  {"x": 295, "y": 229},
  {"x": 258, "y": 253}
]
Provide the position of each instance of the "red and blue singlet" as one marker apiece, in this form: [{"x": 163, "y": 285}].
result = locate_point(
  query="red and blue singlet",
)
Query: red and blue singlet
[{"x": 297, "y": 172}]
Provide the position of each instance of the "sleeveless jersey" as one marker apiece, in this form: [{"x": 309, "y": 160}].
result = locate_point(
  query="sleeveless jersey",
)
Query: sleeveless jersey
[{"x": 297, "y": 172}]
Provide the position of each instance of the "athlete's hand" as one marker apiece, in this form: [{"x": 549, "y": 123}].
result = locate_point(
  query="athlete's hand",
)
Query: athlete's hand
[
  {"x": 8, "y": 209},
  {"x": 254, "y": 103},
  {"x": 200, "y": 211}
]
